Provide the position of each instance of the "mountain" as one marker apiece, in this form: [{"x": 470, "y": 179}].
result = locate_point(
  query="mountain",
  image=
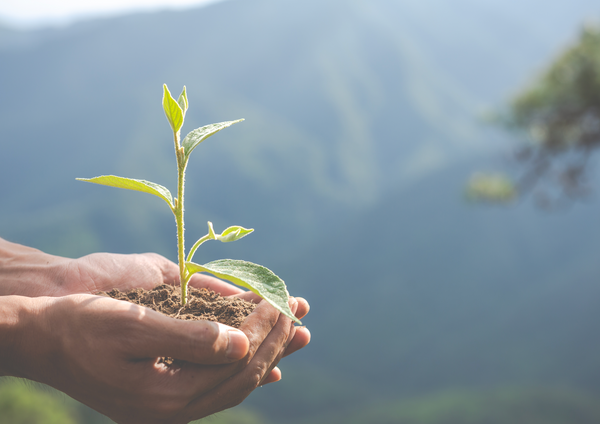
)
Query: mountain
[
  {"x": 362, "y": 126},
  {"x": 373, "y": 95}
]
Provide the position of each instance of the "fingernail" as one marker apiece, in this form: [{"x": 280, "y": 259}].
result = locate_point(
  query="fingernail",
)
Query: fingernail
[
  {"x": 238, "y": 345},
  {"x": 280, "y": 373},
  {"x": 303, "y": 329}
]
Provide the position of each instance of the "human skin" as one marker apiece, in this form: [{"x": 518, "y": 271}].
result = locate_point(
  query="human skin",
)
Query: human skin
[{"x": 104, "y": 352}]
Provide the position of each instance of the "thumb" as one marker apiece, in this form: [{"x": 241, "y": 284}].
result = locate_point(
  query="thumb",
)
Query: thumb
[{"x": 200, "y": 342}]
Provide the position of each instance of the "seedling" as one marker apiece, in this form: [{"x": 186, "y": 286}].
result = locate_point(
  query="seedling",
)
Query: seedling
[{"x": 256, "y": 278}]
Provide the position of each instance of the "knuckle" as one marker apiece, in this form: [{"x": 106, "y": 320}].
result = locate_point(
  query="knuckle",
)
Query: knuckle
[
  {"x": 244, "y": 388},
  {"x": 255, "y": 376}
]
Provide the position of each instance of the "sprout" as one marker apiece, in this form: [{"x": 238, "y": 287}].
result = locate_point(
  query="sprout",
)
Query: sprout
[{"x": 256, "y": 278}]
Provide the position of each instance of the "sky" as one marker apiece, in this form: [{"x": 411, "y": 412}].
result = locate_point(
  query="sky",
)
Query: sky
[{"x": 36, "y": 13}]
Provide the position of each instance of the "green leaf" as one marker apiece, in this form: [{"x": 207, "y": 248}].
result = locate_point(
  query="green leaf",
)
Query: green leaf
[
  {"x": 172, "y": 110},
  {"x": 210, "y": 236},
  {"x": 230, "y": 234},
  {"x": 198, "y": 135},
  {"x": 256, "y": 278},
  {"x": 183, "y": 101},
  {"x": 131, "y": 184},
  {"x": 233, "y": 233}
]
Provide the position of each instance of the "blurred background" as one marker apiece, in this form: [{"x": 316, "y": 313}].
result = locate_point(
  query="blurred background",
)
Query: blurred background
[{"x": 421, "y": 171}]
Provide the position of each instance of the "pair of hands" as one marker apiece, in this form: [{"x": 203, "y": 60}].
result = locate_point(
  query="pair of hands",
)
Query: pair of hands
[{"x": 104, "y": 352}]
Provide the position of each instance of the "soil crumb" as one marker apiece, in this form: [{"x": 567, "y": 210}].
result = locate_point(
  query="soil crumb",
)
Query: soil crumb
[{"x": 202, "y": 304}]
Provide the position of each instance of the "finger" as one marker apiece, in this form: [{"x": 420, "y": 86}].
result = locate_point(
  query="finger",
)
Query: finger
[
  {"x": 301, "y": 312},
  {"x": 235, "y": 389},
  {"x": 169, "y": 270},
  {"x": 303, "y": 308},
  {"x": 290, "y": 338},
  {"x": 200, "y": 342},
  {"x": 197, "y": 379},
  {"x": 218, "y": 286},
  {"x": 249, "y": 296},
  {"x": 258, "y": 325},
  {"x": 274, "y": 376},
  {"x": 271, "y": 350},
  {"x": 290, "y": 335},
  {"x": 300, "y": 340}
]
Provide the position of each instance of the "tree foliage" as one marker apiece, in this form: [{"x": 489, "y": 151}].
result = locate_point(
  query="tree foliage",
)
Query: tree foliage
[{"x": 559, "y": 112}]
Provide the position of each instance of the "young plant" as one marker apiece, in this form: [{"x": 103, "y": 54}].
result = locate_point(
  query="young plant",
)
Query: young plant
[{"x": 256, "y": 278}]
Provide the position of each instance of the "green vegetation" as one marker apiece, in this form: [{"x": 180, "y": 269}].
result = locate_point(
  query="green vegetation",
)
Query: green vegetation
[
  {"x": 561, "y": 108},
  {"x": 559, "y": 113},
  {"x": 23, "y": 403},
  {"x": 238, "y": 415},
  {"x": 499, "y": 406},
  {"x": 490, "y": 187},
  {"x": 257, "y": 278}
]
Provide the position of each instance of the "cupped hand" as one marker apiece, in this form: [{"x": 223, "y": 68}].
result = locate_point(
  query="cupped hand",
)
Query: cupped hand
[
  {"x": 105, "y": 353},
  {"x": 26, "y": 271},
  {"x": 105, "y": 271}
]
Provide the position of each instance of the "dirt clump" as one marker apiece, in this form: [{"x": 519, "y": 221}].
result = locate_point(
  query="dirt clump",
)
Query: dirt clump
[{"x": 202, "y": 304}]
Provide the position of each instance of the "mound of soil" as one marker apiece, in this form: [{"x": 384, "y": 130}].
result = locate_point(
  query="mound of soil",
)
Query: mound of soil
[{"x": 202, "y": 304}]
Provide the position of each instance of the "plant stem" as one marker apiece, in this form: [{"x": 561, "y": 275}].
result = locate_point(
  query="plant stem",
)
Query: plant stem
[
  {"x": 195, "y": 247},
  {"x": 181, "y": 165}
]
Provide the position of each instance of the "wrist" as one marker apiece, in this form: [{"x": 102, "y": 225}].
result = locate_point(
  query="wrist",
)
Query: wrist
[
  {"x": 23, "y": 342},
  {"x": 25, "y": 271}
]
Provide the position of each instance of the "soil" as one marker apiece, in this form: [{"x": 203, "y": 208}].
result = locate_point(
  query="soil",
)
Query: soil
[{"x": 202, "y": 304}]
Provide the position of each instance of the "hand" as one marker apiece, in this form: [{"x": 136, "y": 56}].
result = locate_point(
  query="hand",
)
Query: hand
[
  {"x": 105, "y": 271},
  {"x": 25, "y": 271},
  {"x": 104, "y": 353}
]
